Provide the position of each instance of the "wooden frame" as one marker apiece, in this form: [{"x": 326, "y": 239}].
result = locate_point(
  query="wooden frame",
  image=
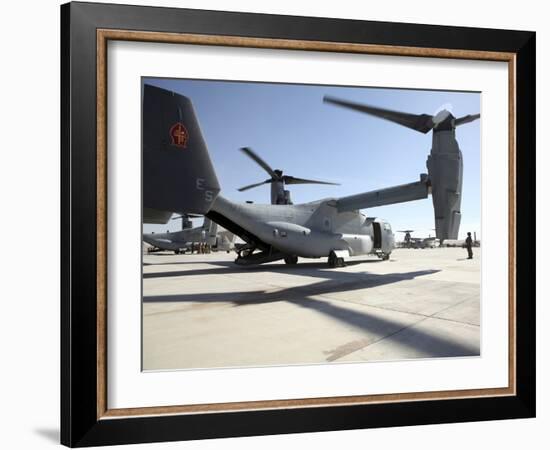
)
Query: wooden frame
[{"x": 86, "y": 418}]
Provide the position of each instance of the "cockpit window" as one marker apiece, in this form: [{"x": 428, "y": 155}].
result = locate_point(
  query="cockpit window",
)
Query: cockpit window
[{"x": 387, "y": 226}]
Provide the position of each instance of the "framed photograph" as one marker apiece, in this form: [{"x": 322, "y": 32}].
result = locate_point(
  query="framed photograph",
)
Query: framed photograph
[{"x": 277, "y": 224}]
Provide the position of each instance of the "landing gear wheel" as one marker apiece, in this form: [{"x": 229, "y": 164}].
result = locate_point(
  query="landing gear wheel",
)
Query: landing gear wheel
[
  {"x": 334, "y": 261},
  {"x": 384, "y": 256},
  {"x": 244, "y": 253},
  {"x": 176, "y": 252},
  {"x": 291, "y": 260}
]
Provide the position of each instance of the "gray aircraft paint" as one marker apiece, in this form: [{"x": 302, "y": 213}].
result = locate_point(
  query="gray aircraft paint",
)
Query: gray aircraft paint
[
  {"x": 180, "y": 240},
  {"x": 178, "y": 175},
  {"x": 315, "y": 229},
  {"x": 310, "y": 230},
  {"x": 444, "y": 164}
]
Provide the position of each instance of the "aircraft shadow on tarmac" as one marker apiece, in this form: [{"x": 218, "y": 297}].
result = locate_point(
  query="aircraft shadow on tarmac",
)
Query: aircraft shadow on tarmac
[
  {"x": 227, "y": 267},
  {"x": 420, "y": 341}
]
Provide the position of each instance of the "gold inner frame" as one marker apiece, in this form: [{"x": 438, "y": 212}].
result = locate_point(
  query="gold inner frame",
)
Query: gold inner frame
[{"x": 104, "y": 35}]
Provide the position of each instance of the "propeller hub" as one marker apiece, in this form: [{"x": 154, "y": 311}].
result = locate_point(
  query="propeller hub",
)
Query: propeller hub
[
  {"x": 277, "y": 177},
  {"x": 441, "y": 116},
  {"x": 444, "y": 120}
]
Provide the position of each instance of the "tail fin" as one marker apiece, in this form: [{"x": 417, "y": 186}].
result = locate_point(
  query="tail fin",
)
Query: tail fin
[
  {"x": 210, "y": 231},
  {"x": 206, "y": 224},
  {"x": 178, "y": 175},
  {"x": 209, "y": 226}
]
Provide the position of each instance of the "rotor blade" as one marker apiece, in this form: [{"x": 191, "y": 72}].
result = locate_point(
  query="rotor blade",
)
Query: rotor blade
[
  {"x": 260, "y": 161},
  {"x": 293, "y": 180},
  {"x": 418, "y": 122},
  {"x": 250, "y": 186},
  {"x": 466, "y": 119}
]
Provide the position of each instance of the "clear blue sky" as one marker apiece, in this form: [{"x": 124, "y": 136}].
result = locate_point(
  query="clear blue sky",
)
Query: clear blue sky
[{"x": 292, "y": 129}]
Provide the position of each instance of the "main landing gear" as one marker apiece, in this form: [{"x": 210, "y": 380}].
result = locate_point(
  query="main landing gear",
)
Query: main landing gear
[
  {"x": 291, "y": 260},
  {"x": 335, "y": 261}
]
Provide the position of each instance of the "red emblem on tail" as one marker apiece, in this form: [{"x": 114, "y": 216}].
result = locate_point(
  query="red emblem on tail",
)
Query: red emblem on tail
[{"x": 179, "y": 135}]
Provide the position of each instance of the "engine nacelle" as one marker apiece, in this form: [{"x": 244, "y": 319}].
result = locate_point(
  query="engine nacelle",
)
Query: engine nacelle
[{"x": 445, "y": 173}]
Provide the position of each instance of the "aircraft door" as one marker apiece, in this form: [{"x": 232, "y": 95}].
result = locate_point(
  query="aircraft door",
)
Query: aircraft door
[{"x": 377, "y": 238}]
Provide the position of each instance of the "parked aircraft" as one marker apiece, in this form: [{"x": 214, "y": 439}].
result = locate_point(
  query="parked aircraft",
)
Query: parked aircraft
[
  {"x": 186, "y": 221},
  {"x": 416, "y": 242},
  {"x": 178, "y": 176},
  {"x": 184, "y": 240},
  {"x": 191, "y": 239}
]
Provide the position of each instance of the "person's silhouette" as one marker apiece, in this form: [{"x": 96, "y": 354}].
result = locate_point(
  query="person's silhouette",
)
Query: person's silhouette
[{"x": 469, "y": 246}]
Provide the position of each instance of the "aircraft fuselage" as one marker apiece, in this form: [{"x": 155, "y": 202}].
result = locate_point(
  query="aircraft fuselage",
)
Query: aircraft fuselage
[{"x": 310, "y": 230}]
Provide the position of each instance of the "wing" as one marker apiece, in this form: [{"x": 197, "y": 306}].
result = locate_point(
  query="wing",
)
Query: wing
[{"x": 388, "y": 196}]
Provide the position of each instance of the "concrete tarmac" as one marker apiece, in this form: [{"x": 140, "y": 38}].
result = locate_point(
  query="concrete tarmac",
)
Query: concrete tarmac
[{"x": 203, "y": 311}]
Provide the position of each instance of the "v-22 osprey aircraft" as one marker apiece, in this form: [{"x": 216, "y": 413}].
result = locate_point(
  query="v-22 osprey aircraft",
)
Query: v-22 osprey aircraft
[
  {"x": 178, "y": 176},
  {"x": 181, "y": 241}
]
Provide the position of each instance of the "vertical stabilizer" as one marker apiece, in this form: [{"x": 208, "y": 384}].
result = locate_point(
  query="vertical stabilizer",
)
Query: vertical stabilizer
[{"x": 178, "y": 175}]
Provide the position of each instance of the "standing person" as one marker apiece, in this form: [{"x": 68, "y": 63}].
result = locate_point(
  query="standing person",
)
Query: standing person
[{"x": 469, "y": 246}]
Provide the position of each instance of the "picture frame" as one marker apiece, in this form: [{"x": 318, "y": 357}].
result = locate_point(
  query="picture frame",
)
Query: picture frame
[{"x": 86, "y": 419}]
